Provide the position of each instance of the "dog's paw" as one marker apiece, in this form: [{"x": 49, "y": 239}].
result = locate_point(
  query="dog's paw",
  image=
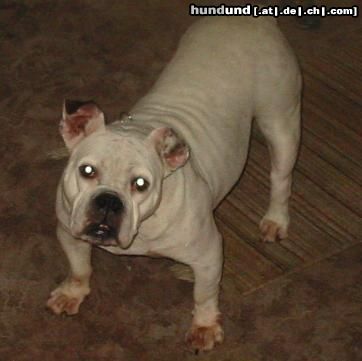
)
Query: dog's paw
[
  {"x": 272, "y": 231},
  {"x": 204, "y": 338},
  {"x": 59, "y": 303},
  {"x": 67, "y": 298}
]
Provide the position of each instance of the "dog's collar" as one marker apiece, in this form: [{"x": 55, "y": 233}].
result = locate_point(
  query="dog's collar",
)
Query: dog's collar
[
  {"x": 125, "y": 117},
  {"x": 128, "y": 121}
]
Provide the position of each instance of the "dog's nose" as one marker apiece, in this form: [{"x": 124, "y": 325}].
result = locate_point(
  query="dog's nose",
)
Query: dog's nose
[{"x": 108, "y": 202}]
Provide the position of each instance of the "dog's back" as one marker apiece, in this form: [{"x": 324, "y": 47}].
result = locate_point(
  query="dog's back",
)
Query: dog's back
[{"x": 224, "y": 72}]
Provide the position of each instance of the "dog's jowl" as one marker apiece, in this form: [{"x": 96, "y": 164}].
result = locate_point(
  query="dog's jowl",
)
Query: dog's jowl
[{"x": 148, "y": 184}]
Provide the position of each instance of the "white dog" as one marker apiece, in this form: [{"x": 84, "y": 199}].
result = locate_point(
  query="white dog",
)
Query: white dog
[{"x": 149, "y": 185}]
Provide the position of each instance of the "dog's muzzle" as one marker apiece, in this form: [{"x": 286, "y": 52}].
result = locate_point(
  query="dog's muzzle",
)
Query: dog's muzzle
[{"x": 104, "y": 219}]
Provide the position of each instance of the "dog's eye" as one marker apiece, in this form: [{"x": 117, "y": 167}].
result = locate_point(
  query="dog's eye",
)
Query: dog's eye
[
  {"x": 87, "y": 171},
  {"x": 140, "y": 184}
]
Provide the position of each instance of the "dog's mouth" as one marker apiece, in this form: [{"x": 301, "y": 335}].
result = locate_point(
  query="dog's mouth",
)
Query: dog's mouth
[
  {"x": 100, "y": 234},
  {"x": 107, "y": 222},
  {"x": 103, "y": 220}
]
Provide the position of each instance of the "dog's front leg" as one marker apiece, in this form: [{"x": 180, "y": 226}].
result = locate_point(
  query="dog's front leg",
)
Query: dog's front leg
[
  {"x": 72, "y": 291},
  {"x": 206, "y": 329}
]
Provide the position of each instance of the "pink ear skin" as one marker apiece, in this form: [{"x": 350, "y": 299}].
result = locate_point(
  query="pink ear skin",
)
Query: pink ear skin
[
  {"x": 171, "y": 148},
  {"x": 80, "y": 119}
]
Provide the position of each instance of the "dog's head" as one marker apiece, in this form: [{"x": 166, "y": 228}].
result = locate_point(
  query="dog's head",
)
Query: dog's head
[{"x": 113, "y": 180}]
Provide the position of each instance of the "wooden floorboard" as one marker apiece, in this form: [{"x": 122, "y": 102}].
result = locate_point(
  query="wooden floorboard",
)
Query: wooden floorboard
[
  {"x": 326, "y": 206},
  {"x": 333, "y": 133},
  {"x": 331, "y": 155},
  {"x": 336, "y": 107},
  {"x": 336, "y": 75}
]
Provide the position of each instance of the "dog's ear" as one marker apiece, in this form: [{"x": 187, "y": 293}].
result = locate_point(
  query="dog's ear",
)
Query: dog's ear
[
  {"x": 79, "y": 120},
  {"x": 172, "y": 150}
]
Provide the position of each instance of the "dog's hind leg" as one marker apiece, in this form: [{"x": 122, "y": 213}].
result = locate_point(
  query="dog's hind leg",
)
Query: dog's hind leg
[{"x": 282, "y": 133}]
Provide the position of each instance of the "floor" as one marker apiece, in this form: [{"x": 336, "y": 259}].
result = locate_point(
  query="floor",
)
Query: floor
[{"x": 299, "y": 299}]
